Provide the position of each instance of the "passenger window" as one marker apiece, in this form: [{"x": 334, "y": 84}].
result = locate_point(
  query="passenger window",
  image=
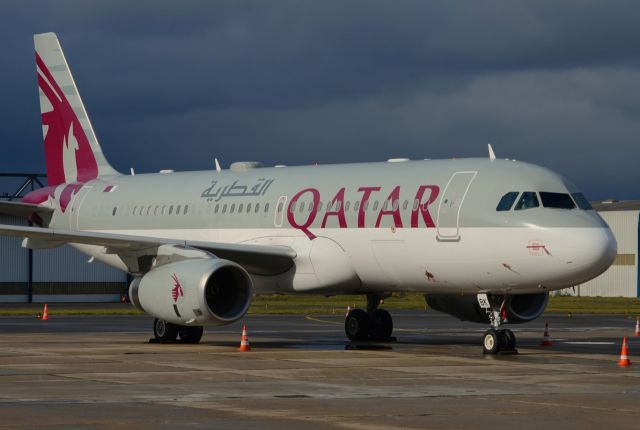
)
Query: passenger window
[
  {"x": 170, "y": 209},
  {"x": 233, "y": 208},
  {"x": 347, "y": 205},
  {"x": 224, "y": 208},
  {"x": 528, "y": 200},
  {"x": 405, "y": 205},
  {"x": 114, "y": 211},
  {"x": 217, "y": 208},
  {"x": 178, "y": 210},
  {"x": 266, "y": 207},
  {"x": 507, "y": 201},
  {"x": 257, "y": 208},
  {"x": 582, "y": 201},
  {"x": 556, "y": 200},
  {"x": 375, "y": 205},
  {"x": 186, "y": 209},
  {"x": 292, "y": 207},
  {"x": 240, "y": 208},
  {"x": 310, "y": 206},
  {"x": 356, "y": 205},
  {"x": 301, "y": 207},
  {"x": 416, "y": 203},
  {"x": 248, "y": 207}
]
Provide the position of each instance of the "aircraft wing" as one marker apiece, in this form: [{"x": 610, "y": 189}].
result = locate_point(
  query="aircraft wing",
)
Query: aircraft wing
[
  {"x": 256, "y": 259},
  {"x": 24, "y": 210}
]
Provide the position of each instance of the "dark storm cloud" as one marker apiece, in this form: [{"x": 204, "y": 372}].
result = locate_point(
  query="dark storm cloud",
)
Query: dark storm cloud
[{"x": 173, "y": 84}]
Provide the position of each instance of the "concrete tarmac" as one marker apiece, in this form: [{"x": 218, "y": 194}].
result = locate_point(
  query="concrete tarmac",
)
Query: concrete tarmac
[{"x": 100, "y": 372}]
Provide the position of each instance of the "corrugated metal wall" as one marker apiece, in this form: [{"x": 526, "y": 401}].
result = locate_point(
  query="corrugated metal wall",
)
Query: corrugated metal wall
[
  {"x": 14, "y": 264},
  {"x": 621, "y": 279},
  {"x": 58, "y": 275}
]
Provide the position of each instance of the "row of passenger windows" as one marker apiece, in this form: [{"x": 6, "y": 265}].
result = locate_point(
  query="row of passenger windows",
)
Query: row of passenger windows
[
  {"x": 337, "y": 206},
  {"x": 161, "y": 210},
  {"x": 529, "y": 199}
]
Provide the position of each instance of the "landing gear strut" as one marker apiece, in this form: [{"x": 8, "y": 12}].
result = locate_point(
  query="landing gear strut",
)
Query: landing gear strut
[
  {"x": 495, "y": 339},
  {"x": 373, "y": 324},
  {"x": 164, "y": 332}
]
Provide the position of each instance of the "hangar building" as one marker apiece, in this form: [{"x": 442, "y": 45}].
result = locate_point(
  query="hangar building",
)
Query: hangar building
[{"x": 621, "y": 279}]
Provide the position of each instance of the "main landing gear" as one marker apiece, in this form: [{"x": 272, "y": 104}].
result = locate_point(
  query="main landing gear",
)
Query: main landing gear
[
  {"x": 167, "y": 332},
  {"x": 495, "y": 339},
  {"x": 373, "y": 324}
]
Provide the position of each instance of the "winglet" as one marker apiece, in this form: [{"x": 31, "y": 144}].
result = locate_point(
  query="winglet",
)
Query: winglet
[
  {"x": 492, "y": 155},
  {"x": 217, "y": 165}
]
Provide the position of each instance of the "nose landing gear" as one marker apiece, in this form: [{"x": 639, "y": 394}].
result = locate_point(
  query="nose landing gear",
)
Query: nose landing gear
[{"x": 496, "y": 340}]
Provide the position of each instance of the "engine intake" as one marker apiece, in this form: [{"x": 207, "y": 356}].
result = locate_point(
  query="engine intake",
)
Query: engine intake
[
  {"x": 519, "y": 308},
  {"x": 208, "y": 291}
]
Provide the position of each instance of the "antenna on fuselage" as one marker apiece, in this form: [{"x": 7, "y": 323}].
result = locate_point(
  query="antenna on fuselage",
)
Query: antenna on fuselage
[
  {"x": 492, "y": 155},
  {"x": 218, "y": 168}
]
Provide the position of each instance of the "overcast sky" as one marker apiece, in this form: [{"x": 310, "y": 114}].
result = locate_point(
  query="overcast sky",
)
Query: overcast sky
[{"x": 175, "y": 84}]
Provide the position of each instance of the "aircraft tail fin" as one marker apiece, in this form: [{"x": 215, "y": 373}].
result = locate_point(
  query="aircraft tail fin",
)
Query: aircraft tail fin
[{"x": 72, "y": 151}]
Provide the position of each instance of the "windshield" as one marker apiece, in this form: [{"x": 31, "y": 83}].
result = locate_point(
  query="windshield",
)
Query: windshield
[{"x": 556, "y": 200}]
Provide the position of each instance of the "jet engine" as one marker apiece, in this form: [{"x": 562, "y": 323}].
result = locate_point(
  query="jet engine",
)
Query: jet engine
[
  {"x": 519, "y": 308},
  {"x": 208, "y": 291}
]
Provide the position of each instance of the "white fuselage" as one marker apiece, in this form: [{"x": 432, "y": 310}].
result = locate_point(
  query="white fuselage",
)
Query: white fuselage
[{"x": 350, "y": 247}]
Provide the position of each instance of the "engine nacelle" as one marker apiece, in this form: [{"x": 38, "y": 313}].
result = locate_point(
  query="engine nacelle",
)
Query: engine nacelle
[
  {"x": 207, "y": 291},
  {"x": 519, "y": 308}
]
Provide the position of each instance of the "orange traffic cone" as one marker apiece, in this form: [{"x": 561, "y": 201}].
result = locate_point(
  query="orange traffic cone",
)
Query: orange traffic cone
[
  {"x": 624, "y": 354},
  {"x": 545, "y": 340},
  {"x": 348, "y": 310},
  {"x": 637, "y": 333},
  {"x": 45, "y": 313},
  {"x": 244, "y": 341}
]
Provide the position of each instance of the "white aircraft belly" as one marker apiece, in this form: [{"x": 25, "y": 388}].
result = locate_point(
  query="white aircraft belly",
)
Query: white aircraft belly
[{"x": 484, "y": 259}]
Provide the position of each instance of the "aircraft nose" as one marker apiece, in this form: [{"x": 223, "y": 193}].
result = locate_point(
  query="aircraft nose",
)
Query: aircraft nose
[{"x": 592, "y": 251}]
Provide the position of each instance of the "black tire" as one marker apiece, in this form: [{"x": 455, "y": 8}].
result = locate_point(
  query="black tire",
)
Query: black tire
[
  {"x": 491, "y": 342},
  {"x": 356, "y": 325},
  {"x": 191, "y": 334},
  {"x": 382, "y": 325},
  {"x": 509, "y": 339},
  {"x": 164, "y": 331}
]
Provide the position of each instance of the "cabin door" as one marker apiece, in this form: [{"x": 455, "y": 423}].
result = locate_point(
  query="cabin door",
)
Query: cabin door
[{"x": 448, "y": 222}]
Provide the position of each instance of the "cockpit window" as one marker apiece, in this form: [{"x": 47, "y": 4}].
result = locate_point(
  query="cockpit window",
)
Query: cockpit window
[
  {"x": 557, "y": 200},
  {"x": 507, "y": 201},
  {"x": 582, "y": 201},
  {"x": 528, "y": 200}
]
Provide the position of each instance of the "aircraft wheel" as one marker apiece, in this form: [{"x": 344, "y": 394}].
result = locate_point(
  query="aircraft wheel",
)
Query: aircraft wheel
[
  {"x": 191, "y": 334},
  {"x": 356, "y": 325},
  {"x": 491, "y": 342},
  {"x": 509, "y": 339},
  {"x": 382, "y": 324},
  {"x": 164, "y": 331}
]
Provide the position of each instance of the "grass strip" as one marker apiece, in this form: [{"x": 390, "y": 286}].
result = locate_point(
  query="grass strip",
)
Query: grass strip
[{"x": 336, "y": 305}]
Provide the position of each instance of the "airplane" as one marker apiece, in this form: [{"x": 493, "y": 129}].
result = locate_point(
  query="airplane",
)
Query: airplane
[{"x": 483, "y": 239}]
